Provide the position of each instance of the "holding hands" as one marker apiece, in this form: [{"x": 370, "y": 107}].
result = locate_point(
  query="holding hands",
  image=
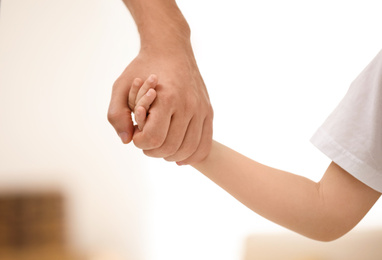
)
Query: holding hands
[
  {"x": 179, "y": 127},
  {"x": 141, "y": 96}
]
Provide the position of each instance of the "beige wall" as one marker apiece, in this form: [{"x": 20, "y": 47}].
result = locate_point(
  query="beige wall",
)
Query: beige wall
[{"x": 58, "y": 61}]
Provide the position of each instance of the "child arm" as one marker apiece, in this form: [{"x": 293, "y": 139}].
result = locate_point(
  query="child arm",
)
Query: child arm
[{"x": 324, "y": 211}]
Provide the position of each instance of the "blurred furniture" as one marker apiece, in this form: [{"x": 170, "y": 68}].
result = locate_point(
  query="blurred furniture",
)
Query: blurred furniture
[
  {"x": 32, "y": 227},
  {"x": 356, "y": 245}
]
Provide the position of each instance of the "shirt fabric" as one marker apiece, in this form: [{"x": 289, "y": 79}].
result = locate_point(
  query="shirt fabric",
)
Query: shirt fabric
[{"x": 352, "y": 135}]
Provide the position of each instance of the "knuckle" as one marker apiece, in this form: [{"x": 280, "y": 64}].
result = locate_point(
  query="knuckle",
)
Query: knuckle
[
  {"x": 191, "y": 102},
  {"x": 191, "y": 109},
  {"x": 117, "y": 83},
  {"x": 154, "y": 141},
  {"x": 194, "y": 104},
  {"x": 115, "y": 115},
  {"x": 183, "y": 153},
  {"x": 169, "y": 150},
  {"x": 170, "y": 159},
  {"x": 211, "y": 111},
  {"x": 192, "y": 149},
  {"x": 112, "y": 116},
  {"x": 150, "y": 153},
  {"x": 168, "y": 99},
  {"x": 200, "y": 153}
]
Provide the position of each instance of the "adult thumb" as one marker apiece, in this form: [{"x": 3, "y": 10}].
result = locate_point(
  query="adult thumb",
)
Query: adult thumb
[
  {"x": 122, "y": 123},
  {"x": 119, "y": 116}
]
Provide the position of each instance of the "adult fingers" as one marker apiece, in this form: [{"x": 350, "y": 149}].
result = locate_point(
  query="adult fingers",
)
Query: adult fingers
[
  {"x": 191, "y": 141},
  {"x": 155, "y": 130},
  {"x": 174, "y": 139},
  {"x": 119, "y": 114},
  {"x": 204, "y": 144}
]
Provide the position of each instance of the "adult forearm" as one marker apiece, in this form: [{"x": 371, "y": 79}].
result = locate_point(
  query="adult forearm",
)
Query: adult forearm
[{"x": 160, "y": 23}]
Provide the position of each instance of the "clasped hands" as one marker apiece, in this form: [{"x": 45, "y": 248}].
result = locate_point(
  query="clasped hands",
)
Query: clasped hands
[{"x": 179, "y": 122}]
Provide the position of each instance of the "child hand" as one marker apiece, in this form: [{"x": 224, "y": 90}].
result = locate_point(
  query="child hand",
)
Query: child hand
[{"x": 141, "y": 96}]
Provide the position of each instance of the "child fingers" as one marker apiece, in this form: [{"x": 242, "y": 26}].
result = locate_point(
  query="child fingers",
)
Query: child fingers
[
  {"x": 143, "y": 107},
  {"x": 151, "y": 82},
  {"x": 140, "y": 117},
  {"x": 137, "y": 83},
  {"x": 147, "y": 99}
]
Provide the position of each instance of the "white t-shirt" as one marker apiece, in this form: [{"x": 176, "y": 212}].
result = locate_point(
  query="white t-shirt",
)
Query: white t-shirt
[{"x": 352, "y": 135}]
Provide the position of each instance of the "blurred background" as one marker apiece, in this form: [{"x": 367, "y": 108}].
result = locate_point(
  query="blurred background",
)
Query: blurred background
[{"x": 274, "y": 71}]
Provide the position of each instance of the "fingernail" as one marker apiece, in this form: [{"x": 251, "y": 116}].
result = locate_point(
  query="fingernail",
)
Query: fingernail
[
  {"x": 148, "y": 93},
  {"x": 124, "y": 137},
  {"x": 151, "y": 78},
  {"x": 179, "y": 163}
]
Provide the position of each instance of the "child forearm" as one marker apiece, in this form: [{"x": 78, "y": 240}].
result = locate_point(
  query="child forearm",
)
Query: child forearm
[
  {"x": 269, "y": 192},
  {"x": 292, "y": 201}
]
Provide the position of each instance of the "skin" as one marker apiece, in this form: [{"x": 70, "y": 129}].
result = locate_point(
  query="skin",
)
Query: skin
[
  {"x": 323, "y": 210},
  {"x": 141, "y": 96},
  {"x": 180, "y": 124}
]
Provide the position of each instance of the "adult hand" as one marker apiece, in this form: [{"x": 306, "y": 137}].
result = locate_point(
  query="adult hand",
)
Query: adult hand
[{"x": 179, "y": 126}]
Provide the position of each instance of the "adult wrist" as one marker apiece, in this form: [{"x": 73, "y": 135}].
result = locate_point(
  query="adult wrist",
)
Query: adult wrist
[
  {"x": 161, "y": 24},
  {"x": 171, "y": 34}
]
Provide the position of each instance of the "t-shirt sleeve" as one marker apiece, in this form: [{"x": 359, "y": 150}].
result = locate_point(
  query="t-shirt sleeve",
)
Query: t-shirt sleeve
[{"x": 352, "y": 135}]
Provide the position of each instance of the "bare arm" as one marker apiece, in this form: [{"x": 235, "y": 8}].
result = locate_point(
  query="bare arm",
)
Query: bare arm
[
  {"x": 159, "y": 22},
  {"x": 180, "y": 126},
  {"x": 324, "y": 211}
]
